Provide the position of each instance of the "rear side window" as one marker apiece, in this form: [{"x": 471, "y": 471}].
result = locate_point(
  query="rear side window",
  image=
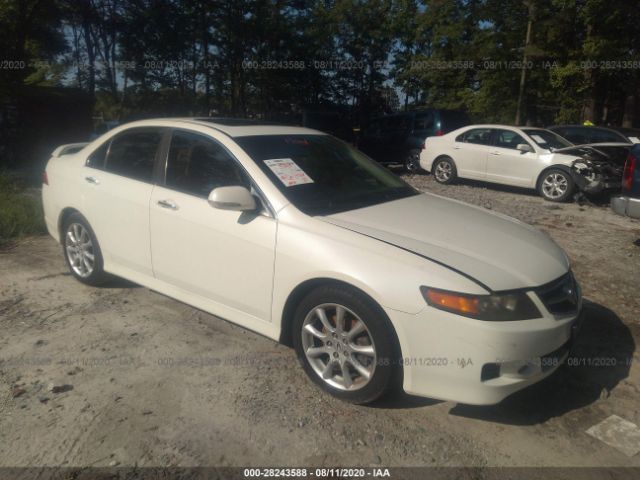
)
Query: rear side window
[
  {"x": 577, "y": 135},
  {"x": 197, "y": 164},
  {"x": 132, "y": 153},
  {"x": 451, "y": 120},
  {"x": 423, "y": 122},
  {"x": 605, "y": 136},
  {"x": 479, "y": 136},
  {"x": 398, "y": 123}
]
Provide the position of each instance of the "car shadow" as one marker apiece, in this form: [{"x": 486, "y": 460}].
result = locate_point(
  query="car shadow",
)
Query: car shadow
[
  {"x": 601, "y": 199},
  {"x": 117, "y": 282},
  {"x": 400, "y": 400},
  {"x": 599, "y": 360}
]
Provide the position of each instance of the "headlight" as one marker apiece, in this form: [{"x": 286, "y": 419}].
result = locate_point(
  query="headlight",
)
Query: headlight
[{"x": 498, "y": 307}]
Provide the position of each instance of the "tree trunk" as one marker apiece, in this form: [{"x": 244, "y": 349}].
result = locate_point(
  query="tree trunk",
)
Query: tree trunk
[{"x": 523, "y": 74}]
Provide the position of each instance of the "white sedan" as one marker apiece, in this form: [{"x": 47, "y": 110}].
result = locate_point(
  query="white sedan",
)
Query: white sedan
[
  {"x": 293, "y": 234},
  {"x": 522, "y": 157}
]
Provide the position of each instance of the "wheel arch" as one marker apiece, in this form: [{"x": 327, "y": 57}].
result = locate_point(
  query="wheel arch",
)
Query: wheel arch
[
  {"x": 64, "y": 214},
  {"x": 304, "y": 288},
  {"x": 564, "y": 168}
]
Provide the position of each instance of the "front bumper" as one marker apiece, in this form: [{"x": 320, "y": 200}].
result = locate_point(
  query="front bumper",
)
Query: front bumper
[
  {"x": 624, "y": 205},
  {"x": 449, "y": 357}
]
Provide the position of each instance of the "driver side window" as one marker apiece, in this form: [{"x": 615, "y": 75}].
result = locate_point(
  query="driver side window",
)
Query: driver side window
[
  {"x": 197, "y": 164},
  {"x": 508, "y": 139}
]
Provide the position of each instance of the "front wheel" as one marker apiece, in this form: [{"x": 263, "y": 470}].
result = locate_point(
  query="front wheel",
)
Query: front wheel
[
  {"x": 556, "y": 185},
  {"x": 344, "y": 344}
]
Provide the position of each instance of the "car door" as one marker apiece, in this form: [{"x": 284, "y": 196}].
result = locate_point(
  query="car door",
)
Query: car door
[
  {"x": 470, "y": 150},
  {"x": 118, "y": 180},
  {"x": 508, "y": 165},
  {"x": 397, "y": 143},
  {"x": 226, "y": 257}
]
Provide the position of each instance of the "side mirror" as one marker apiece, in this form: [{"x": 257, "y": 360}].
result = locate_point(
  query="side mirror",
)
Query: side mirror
[
  {"x": 524, "y": 147},
  {"x": 232, "y": 198}
]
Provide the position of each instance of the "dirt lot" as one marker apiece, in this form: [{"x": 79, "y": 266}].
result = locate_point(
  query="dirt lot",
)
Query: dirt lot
[{"x": 145, "y": 380}]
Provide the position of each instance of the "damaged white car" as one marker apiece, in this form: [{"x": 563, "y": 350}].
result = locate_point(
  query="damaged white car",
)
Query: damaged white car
[{"x": 524, "y": 157}]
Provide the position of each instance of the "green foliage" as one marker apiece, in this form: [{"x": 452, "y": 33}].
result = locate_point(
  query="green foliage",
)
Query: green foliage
[
  {"x": 20, "y": 210},
  {"x": 272, "y": 57}
]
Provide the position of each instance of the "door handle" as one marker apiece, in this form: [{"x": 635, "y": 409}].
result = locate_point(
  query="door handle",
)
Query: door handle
[
  {"x": 494, "y": 153},
  {"x": 457, "y": 147},
  {"x": 92, "y": 180},
  {"x": 168, "y": 204}
]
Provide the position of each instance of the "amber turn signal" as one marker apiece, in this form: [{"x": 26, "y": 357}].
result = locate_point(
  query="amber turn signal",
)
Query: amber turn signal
[{"x": 464, "y": 304}]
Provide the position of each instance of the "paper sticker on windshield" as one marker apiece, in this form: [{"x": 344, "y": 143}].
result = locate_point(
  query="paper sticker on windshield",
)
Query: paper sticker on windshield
[
  {"x": 538, "y": 139},
  {"x": 634, "y": 139},
  {"x": 288, "y": 172}
]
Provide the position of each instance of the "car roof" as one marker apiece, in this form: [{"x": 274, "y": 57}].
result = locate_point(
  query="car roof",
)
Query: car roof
[
  {"x": 233, "y": 127},
  {"x": 494, "y": 125},
  {"x": 589, "y": 127}
]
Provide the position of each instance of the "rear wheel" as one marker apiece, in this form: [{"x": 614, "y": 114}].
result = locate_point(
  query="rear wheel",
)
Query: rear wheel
[
  {"x": 82, "y": 251},
  {"x": 343, "y": 342},
  {"x": 556, "y": 185},
  {"x": 412, "y": 162},
  {"x": 444, "y": 170}
]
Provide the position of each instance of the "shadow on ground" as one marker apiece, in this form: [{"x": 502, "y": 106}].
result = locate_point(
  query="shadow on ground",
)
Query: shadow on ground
[
  {"x": 600, "y": 360},
  {"x": 399, "y": 400},
  {"x": 118, "y": 282},
  {"x": 601, "y": 199}
]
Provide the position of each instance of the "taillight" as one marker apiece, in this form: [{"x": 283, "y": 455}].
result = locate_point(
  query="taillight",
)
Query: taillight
[
  {"x": 45, "y": 178},
  {"x": 439, "y": 133},
  {"x": 627, "y": 176}
]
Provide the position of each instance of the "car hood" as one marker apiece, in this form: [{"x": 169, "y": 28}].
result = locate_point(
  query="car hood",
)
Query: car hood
[{"x": 498, "y": 252}]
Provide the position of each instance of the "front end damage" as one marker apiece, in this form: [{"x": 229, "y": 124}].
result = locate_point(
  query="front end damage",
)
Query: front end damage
[
  {"x": 593, "y": 177},
  {"x": 600, "y": 166}
]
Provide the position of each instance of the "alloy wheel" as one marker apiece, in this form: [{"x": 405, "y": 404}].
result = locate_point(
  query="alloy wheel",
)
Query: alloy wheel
[
  {"x": 443, "y": 171},
  {"x": 411, "y": 163},
  {"x": 555, "y": 185},
  {"x": 339, "y": 347},
  {"x": 79, "y": 248}
]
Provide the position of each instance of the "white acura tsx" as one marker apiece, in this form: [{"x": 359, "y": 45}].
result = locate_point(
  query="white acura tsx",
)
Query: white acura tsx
[{"x": 294, "y": 234}]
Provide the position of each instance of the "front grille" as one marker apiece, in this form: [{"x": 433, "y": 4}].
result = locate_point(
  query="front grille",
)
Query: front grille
[{"x": 561, "y": 297}]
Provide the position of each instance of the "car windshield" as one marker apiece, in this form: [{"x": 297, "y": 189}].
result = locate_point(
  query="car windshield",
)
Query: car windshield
[
  {"x": 321, "y": 175},
  {"x": 546, "y": 138}
]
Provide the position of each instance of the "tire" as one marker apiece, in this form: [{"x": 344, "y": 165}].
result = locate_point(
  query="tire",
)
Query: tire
[
  {"x": 336, "y": 351},
  {"x": 444, "y": 171},
  {"x": 412, "y": 162},
  {"x": 82, "y": 251},
  {"x": 556, "y": 185}
]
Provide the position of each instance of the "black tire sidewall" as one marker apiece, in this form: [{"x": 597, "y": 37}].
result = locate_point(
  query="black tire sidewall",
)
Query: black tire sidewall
[
  {"x": 413, "y": 157},
  {"x": 387, "y": 368},
  {"x": 570, "y": 185},
  {"x": 454, "y": 171},
  {"x": 98, "y": 275}
]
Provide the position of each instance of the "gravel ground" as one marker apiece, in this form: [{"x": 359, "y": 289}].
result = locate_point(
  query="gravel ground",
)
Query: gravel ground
[{"x": 140, "y": 379}]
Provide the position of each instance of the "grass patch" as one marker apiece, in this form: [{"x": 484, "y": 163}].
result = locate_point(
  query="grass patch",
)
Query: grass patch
[{"x": 20, "y": 210}]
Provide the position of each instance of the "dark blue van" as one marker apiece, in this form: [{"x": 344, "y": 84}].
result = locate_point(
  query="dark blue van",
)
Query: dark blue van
[{"x": 397, "y": 139}]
